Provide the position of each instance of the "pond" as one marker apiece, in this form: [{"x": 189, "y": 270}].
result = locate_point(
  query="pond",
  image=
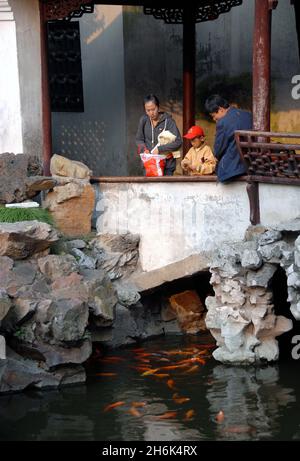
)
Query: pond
[{"x": 165, "y": 389}]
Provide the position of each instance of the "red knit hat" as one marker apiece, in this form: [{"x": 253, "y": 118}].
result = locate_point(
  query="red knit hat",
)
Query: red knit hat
[{"x": 194, "y": 132}]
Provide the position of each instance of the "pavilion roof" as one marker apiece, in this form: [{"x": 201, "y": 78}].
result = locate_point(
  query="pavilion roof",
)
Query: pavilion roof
[{"x": 168, "y": 10}]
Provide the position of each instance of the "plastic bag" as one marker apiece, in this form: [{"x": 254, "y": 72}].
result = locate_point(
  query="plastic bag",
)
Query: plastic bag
[{"x": 154, "y": 164}]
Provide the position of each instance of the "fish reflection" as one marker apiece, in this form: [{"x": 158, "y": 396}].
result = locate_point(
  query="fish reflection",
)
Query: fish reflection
[{"x": 249, "y": 399}]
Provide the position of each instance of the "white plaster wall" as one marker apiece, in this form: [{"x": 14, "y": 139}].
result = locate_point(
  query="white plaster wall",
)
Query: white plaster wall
[
  {"x": 10, "y": 105},
  {"x": 27, "y": 16},
  {"x": 97, "y": 136},
  {"x": 278, "y": 203},
  {"x": 174, "y": 220}
]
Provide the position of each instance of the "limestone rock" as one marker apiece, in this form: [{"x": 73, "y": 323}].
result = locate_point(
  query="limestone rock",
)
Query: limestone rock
[
  {"x": 251, "y": 259},
  {"x": 5, "y": 304},
  {"x": 77, "y": 243},
  {"x": 268, "y": 350},
  {"x": 127, "y": 293},
  {"x": 13, "y": 171},
  {"x": 102, "y": 296},
  {"x": 63, "y": 166},
  {"x": 269, "y": 236},
  {"x": 72, "y": 208},
  {"x": 35, "y": 184},
  {"x": 22, "y": 239},
  {"x": 2, "y": 348},
  {"x": 189, "y": 311},
  {"x": 69, "y": 320},
  {"x": 55, "y": 266},
  {"x": 117, "y": 255},
  {"x": 261, "y": 277},
  {"x": 84, "y": 260}
]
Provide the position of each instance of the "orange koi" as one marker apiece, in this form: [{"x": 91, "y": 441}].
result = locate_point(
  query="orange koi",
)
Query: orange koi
[
  {"x": 113, "y": 405},
  {"x": 192, "y": 369},
  {"x": 171, "y": 384},
  {"x": 193, "y": 360},
  {"x": 106, "y": 374},
  {"x": 189, "y": 415},
  {"x": 138, "y": 404},
  {"x": 161, "y": 375},
  {"x": 144, "y": 360},
  {"x": 168, "y": 415},
  {"x": 150, "y": 372},
  {"x": 220, "y": 416},
  {"x": 173, "y": 367},
  {"x": 141, "y": 368},
  {"x": 239, "y": 429},
  {"x": 134, "y": 412},
  {"x": 180, "y": 400}
]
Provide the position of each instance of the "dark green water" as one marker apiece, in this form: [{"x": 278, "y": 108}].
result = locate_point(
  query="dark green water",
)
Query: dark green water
[{"x": 258, "y": 403}]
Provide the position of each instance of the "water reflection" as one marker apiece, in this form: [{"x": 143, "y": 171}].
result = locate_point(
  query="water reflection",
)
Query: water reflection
[
  {"x": 252, "y": 401},
  {"x": 258, "y": 403}
]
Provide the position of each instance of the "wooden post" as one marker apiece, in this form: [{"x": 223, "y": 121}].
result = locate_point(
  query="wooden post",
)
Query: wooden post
[
  {"x": 189, "y": 58},
  {"x": 46, "y": 107},
  {"x": 261, "y": 99}
]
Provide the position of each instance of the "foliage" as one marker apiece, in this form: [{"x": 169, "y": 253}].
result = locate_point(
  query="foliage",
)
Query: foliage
[{"x": 11, "y": 215}]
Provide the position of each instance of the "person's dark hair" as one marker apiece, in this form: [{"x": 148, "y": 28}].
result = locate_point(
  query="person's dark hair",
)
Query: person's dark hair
[
  {"x": 214, "y": 102},
  {"x": 151, "y": 98}
]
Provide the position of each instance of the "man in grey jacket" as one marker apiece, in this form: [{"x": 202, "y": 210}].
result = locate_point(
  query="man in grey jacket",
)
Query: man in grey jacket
[{"x": 150, "y": 126}]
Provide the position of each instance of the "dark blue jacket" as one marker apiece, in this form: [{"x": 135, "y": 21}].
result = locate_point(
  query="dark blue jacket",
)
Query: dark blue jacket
[{"x": 225, "y": 149}]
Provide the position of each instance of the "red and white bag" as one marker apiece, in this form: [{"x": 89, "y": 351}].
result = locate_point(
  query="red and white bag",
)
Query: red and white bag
[{"x": 154, "y": 164}]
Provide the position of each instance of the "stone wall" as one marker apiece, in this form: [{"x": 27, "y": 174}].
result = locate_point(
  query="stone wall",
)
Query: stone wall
[{"x": 241, "y": 315}]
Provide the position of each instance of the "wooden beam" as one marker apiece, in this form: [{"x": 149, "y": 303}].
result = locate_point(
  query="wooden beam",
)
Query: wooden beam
[
  {"x": 46, "y": 107},
  {"x": 189, "y": 58}
]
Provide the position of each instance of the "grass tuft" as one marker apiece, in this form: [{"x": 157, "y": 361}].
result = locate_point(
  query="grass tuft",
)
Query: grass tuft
[{"x": 11, "y": 215}]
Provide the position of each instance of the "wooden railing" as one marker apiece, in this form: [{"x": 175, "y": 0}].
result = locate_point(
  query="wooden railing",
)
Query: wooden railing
[{"x": 268, "y": 162}]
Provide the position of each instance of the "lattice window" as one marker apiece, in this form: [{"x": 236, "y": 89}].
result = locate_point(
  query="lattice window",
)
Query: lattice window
[
  {"x": 65, "y": 71},
  {"x": 269, "y": 161}
]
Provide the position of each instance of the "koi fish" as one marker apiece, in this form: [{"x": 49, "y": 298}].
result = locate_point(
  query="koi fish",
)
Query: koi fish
[
  {"x": 180, "y": 400},
  {"x": 239, "y": 429},
  {"x": 189, "y": 415},
  {"x": 161, "y": 375},
  {"x": 192, "y": 360},
  {"x": 173, "y": 367},
  {"x": 138, "y": 404},
  {"x": 141, "y": 368},
  {"x": 150, "y": 372},
  {"x": 220, "y": 416},
  {"x": 134, "y": 412},
  {"x": 171, "y": 384},
  {"x": 168, "y": 415},
  {"x": 192, "y": 369},
  {"x": 113, "y": 405}
]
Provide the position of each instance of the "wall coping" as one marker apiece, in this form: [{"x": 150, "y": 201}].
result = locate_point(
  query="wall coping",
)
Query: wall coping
[{"x": 145, "y": 179}]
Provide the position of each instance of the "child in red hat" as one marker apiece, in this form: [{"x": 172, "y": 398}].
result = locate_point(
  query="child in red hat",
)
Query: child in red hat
[{"x": 199, "y": 160}]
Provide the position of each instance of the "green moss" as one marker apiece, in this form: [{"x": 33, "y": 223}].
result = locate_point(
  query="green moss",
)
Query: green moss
[{"x": 11, "y": 215}]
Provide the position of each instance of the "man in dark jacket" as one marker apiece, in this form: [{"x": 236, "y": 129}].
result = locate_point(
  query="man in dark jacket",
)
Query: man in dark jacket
[{"x": 228, "y": 120}]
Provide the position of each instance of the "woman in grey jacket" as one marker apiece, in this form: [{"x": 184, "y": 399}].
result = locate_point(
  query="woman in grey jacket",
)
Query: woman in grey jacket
[{"x": 150, "y": 126}]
